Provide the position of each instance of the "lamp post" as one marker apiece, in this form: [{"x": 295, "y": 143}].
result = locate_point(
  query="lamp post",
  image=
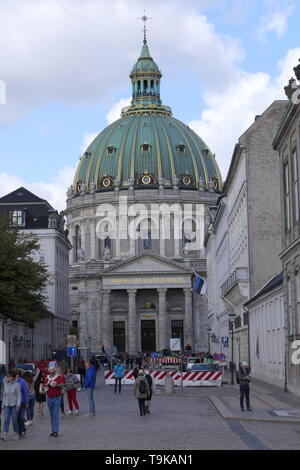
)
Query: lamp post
[
  {"x": 208, "y": 334},
  {"x": 9, "y": 328},
  {"x": 90, "y": 345},
  {"x": 231, "y": 316}
]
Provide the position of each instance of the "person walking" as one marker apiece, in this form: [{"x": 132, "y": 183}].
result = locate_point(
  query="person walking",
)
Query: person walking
[
  {"x": 81, "y": 371},
  {"x": 24, "y": 402},
  {"x": 31, "y": 392},
  {"x": 40, "y": 397},
  {"x": 89, "y": 384},
  {"x": 119, "y": 373},
  {"x": 149, "y": 397},
  {"x": 53, "y": 385},
  {"x": 62, "y": 403},
  {"x": 11, "y": 403},
  {"x": 136, "y": 371},
  {"x": 141, "y": 391},
  {"x": 72, "y": 383},
  {"x": 243, "y": 379}
]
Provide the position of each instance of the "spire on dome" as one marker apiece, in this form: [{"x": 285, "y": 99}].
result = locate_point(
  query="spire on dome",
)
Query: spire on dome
[{"x": 144, "y": 18}]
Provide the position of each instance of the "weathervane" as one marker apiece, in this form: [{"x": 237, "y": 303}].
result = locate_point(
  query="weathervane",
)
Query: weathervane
[{"x": 145, "y": 18}]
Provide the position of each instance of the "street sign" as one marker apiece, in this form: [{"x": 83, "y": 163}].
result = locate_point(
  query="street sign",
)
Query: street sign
[
  {"x": 225, "y": 341},
  {"x": 72, "y": 352},
  {"x": 175, "y": 344}
]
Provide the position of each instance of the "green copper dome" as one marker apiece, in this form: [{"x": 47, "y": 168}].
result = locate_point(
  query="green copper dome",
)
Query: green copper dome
[{"x": 147, "y": 147}]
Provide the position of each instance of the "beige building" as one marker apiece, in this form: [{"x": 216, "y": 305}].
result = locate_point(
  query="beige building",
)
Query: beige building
[{"x": 287, "y": 143}]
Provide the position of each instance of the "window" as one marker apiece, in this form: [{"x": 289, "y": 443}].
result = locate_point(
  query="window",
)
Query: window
[
  {"x": 145, "y": 148},
  {"x": 111, "y": 150},
  {"x": 17, "y": 218},
  {"x": 181, "y": 149},
  {"x": 295, "y": 185},
  {"x": 286, "y": 197}
]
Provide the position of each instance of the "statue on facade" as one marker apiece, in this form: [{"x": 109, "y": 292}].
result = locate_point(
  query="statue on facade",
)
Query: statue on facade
[
  {"x": 80, "y": 255},
  {"x": 107, "y": 253}
]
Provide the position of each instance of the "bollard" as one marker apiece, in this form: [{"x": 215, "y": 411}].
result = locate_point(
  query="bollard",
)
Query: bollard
[{"x": 169, "y": 384}]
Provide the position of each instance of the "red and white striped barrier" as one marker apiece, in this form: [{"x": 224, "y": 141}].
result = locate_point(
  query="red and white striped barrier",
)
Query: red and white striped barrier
[
  {"x": 206, "y": 379},
  {"x": 194, "y": 379}
]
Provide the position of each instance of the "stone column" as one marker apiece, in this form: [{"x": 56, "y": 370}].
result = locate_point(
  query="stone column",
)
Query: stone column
[
  {"x": 83, "y": 334},
  {"x": 162, "y": 241},
  {"x": 188, "y": 317},
  {"x": 93, "y": 239},
  {"x": 117, "y": 240},
  {"x": 107, "y": 339},
  {"x": 132, "y": 322},
  {"x": 163, "y": 319}
]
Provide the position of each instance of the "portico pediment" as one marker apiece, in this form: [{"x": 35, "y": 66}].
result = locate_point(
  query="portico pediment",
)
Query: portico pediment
[{"x": 146, "y": 263}]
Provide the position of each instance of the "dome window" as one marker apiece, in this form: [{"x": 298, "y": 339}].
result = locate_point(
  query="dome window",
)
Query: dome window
[
  {"x": 181, "y": 149},
  {"x": 111, "y": 150},
  {"x": 145, "y": 148}
]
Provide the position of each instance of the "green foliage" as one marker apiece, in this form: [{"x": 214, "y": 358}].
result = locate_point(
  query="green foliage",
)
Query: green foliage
[{"x": 22, "y": 281}]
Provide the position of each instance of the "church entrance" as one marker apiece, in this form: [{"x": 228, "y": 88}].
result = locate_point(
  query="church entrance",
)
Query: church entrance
[
  {"x": 148, "y": 335},
  {"x": 119, "y": 335}
]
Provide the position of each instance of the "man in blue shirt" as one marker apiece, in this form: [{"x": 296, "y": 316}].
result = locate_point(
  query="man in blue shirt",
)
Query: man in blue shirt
[
  {"x": 119, "y": 372},
  {"x": 89, "y": 383}
]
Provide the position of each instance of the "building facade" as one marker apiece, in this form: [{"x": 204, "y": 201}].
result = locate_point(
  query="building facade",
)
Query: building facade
[
  {"x": 136, "y": 214},
  {"x": 287, "y": 142},
  {"x": 253, "y": 225},
  {"x": 267, "y": 332},
  {"x": 35, "y": 216}
]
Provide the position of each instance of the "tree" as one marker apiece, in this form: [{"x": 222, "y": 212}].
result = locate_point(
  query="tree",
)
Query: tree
[{"x": 22, "y": 281}]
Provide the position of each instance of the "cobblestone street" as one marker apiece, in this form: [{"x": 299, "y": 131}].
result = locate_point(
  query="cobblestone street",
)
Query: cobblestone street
[{"x": 186, "y": 420}]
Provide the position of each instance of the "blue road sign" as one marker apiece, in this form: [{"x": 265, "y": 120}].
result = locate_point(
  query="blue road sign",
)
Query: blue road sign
[
  {"x": 225, "y": 341},
  {"x": 71, "y": 351}
]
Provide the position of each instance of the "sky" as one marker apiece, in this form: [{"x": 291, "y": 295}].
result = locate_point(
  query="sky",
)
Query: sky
[{"x": 65, "y": 64}]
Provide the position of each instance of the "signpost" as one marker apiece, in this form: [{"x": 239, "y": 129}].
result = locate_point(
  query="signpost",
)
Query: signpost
[
  {"x": 225, "y": 341},
  {"x": 72, "y": 349}
]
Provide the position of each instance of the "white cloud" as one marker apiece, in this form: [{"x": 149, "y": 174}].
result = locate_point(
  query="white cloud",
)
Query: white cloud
[
  {"x": 115, "y": 111},
  {"x": 228, "y": 114},
  {"x": 54, "y": 191},
  {"x": 275, "y": 21}
]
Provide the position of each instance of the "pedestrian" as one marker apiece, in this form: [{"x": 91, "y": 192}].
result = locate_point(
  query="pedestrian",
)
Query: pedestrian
[
  {"x": 72, "y": 384},
  {"x": 149, "y": 397},
  {"x": 11, "y": 403},
  {"x": 53, "y": 385},
  {"x": 119, "y": 372},
  {"x": 40, "y": 395},
  {"x": 2, "y": 379},
  {"x": 62, "y": 403},
  {"x": 243, "y": 379},
  {"x": 24, "y": 401},
  {"x": 31, "y": 391},
  {"x": 141, "y": 391},
  {"x": 136, "y": 371},
  {"x": 11, "y": 364},
  {"x": 89, "y": 384},
  {"x": 81, "y": 371}
]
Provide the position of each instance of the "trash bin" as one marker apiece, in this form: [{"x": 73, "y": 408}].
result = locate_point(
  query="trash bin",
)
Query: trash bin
[{"x": 169, "y": 384}]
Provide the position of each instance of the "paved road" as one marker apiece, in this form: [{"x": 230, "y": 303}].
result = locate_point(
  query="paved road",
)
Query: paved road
[{"x": 187, "y": 420}]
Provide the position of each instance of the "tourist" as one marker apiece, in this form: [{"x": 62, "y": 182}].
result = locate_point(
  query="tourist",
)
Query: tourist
[
  {"x": 11, "y": 403},
  {"x": 40, "y": 394},
  {"x": 141, "y": 391},
  {"x": 89, "y": 384},
  {"x": 72, "y": 384},
  {"x": 81, "y": 370},
  {"x": 62, "y": 403},
  {"x": 149, "y": 397},
  {"x": 119, "y": 372},
  {"x": 24, "y": 401},
  {"x": 243, "y": 379},
  {"x": 31, "y": 392},
  {"x": 53, "y": 386}
]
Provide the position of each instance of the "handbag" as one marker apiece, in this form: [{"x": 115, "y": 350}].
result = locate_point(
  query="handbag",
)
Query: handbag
[{"x": 42, "y": 391}]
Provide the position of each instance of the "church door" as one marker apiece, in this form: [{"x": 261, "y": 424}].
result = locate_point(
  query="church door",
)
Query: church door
[{"x": 148, "y": 335}]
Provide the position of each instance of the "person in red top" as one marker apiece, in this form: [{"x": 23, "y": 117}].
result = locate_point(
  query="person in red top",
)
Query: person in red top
[{"x": 53, "y": 386}]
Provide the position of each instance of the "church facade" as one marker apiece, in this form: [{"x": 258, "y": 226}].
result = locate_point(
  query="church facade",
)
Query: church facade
[{"x": 136, "y": 216}]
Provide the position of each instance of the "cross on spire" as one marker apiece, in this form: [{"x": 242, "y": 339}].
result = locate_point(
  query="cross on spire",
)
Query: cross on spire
[{"x": 145, "y": 18}]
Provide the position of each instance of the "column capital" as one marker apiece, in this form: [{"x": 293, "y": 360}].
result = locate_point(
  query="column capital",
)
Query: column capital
[
  {"x": 106, "y": 291},
  {"x": 131, "y": 291},
  {"x": 162, "y": 290},
  {"x": 187, "y": 291}
]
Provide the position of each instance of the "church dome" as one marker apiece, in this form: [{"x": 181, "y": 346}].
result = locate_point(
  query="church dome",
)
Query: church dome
[{"x": 147, "y": 147}]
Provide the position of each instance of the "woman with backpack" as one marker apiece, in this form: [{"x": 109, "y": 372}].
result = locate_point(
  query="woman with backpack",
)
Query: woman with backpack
[{"x": 141, "y": 391}]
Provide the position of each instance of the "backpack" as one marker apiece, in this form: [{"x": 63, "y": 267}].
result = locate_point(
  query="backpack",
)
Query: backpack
[{"x": 142, "y": 387}]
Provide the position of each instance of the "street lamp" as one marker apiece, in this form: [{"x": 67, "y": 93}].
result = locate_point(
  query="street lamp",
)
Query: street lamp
[
  {"x": 208, "y": 334},
  {"x": 90, "y": 344},
  {"x": 231, "y": 316},
  {"x": 9, "y": 328}
]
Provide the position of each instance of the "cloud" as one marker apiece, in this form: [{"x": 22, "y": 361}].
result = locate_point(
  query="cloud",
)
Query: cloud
[
  {"x": 275, "y": 21},
  {"x": 115, "y": 111},
  {"x": 54, "y": 191},
  {"x": 72, "y": 56},
  {"x": 228, "y": 114}
]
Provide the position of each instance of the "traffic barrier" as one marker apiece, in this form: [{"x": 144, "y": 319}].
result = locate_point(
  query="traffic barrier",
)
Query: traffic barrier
[{"x": 194, "y": 379}]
